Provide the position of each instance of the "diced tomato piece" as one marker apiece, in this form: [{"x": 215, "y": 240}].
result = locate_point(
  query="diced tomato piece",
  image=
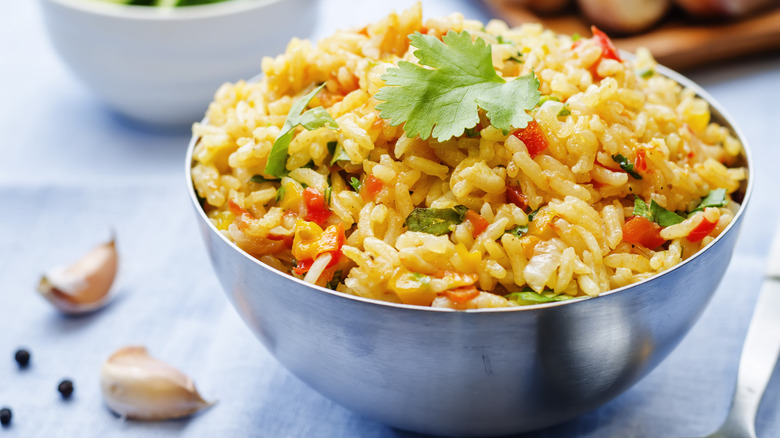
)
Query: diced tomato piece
[
  {"x": 303, "y": 266},
  {"x": 641, "y": 161},
  {"x": 701, "y": 231},
  {"x": 316, "y": 208},
  {"x": 236, "y": 209},
  {"x": 608, "y": 49},
  {"x": 463, "y": 294},
  {"x": 517, "y": 197},
  {"x": 372, "y": 186},
  {"x": 642, "y": 231},
  {"x": 478, "y": 223},
  {"x": 533, "y": 137}
]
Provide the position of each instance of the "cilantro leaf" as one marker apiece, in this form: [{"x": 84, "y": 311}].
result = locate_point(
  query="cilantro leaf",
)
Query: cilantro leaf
[
  {"x": 311, "y": 119},
  {"x": 334, "y": 282},
  {"x": 517, "y": 230},
  {"x": 261, "y": 179},
  {"x": 443, "y": 100},
  {"x": 339, "y": 154},
  {"x": 641, "y": 209},
  {"x": 436, "y": 221},
  {"x": 564, "y": 111},
  {"x": 332, "y": 147},
  {"x": 528, "y": 297},
  {"x": 328, "y": 194},
  {"x": 656, "y": 213},
  {"x": 355, "y": 183},
  {"x": 664, "y": 217},
  {"x": 626, "y": 165},
  {"x": 715, "y": 198},
  {"x": 280, "y": 192}
]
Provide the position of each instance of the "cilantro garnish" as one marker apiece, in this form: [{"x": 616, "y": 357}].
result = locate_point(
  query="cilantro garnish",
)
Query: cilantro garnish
[
  {"x": 436, "y": 221},
  {"x": 444, "y": 100},
  {"x": 261, "y": 179},
  {"x": 656, "y": 213},
  {"x": 528, "y": 297},
  {"x": 328, "y": 194},
  {"x": 334, "y": 282},
  {"x": 715, "y": 198},
  {"x": 280, "y": 193},
  {"x": 339, "y": 154},
  {"x": 565, "y": 111},
  {"x": 646, "y": 73},
  {"x": 547, "y": 97},
  {"x": 626, "y": 165},
  {"x": 517, "y": 230},
  {"x": 311, "y": 119},
  {"x": 423, "y": 279},
  {"x": 355, "y": 183},
  {"x": 332, "y": 147}
]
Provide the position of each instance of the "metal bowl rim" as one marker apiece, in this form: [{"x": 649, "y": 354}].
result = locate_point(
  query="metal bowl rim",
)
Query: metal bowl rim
[{"x": 715, "y": 109}]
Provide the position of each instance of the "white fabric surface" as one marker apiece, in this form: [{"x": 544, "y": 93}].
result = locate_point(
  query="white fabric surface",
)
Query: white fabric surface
[{"x": 72, "y": 171}]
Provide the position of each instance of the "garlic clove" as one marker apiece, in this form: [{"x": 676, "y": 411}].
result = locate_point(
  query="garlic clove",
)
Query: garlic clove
[
  {"x": 138, "y": 386},
  {"x": 84, "y": 286}
]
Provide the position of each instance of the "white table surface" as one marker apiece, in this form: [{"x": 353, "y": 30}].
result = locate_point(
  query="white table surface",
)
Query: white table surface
[{"x": 70, "y": 171}]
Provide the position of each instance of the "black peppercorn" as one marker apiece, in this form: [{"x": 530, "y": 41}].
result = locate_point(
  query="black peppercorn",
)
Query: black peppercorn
[
  {"x": 65, "y": 388},
  {"x": 5, "y": 416},
  {"x": 22, "y": 357}
]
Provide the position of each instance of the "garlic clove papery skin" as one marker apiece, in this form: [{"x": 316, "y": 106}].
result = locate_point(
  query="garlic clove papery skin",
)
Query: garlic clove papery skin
[
  {"x": 85, "y": 285},
  {"x": 138, "y": 386}
]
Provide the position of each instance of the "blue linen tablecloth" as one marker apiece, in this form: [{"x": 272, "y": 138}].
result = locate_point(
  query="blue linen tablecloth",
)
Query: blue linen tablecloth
[{"x": 71, "y": 172}]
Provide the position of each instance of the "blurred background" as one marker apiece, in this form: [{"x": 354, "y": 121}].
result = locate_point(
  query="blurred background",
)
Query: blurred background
[{"x": 81, "y": 158}]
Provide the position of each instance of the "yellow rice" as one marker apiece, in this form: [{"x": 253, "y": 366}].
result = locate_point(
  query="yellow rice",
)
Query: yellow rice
[{"x": 574, "y": 244}]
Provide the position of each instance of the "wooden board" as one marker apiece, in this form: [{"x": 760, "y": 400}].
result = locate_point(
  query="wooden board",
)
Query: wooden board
[{"x": 678, "y": 43}]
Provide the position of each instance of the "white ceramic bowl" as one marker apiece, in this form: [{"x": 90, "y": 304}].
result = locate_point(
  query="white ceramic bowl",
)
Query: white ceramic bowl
[{"x": 161, "y": 66}]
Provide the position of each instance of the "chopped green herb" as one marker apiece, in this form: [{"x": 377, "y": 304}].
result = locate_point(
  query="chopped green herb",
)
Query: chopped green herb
[
  {"x": 715, "y": 198},
  {"x": 280, "y": 193},
  {"x": 328, "y": 194},
  {"x": 626, "y": 165},
  {"x": 576, "y": 37},
  {"x": 656, "y": 213},
  {"x": 517, "y": 58},
  {"x": 664, "y": 217},
  {"x": 339, "y": 154},
  {"x": 641, "y": 209},
  {"x": 646, "y": 73},
  {"x": 517, "y": 230},
  {"x": 332, "y": 147},
  {"x": 565, "y": 111},
  {"x": 261, "y": 179},
  {"x": 472, "y": 132},
  {"x": 436, "y": 221},
  {"x": 355, "y": 183},
  {"x": 528, "y": 297},
  {"x": 335, "y": 281},
  {"x": 500, "y": 40},
  {"x": 444, "y": 100},
  {"x": 547, "y": 97},
  {"x": 423, "y": 279},
  {"x": 532, "y": 214},
  {"x": 311, "y": 119}
]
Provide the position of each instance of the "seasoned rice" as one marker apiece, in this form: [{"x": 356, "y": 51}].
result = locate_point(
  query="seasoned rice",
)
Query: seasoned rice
[{"x": 578, "y": 197}]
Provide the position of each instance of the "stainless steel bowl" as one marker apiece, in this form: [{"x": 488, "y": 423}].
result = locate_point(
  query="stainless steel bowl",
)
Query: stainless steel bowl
[{"x": 475, "y": 372}]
